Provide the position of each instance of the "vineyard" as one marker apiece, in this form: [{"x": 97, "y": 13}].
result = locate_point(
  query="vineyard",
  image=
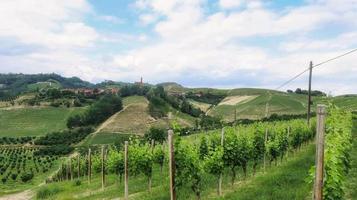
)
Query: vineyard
[
  {"x": 202, "y": 161},
  {"x": 209, "y": 164},
  {"x": 20, "y": 165}
]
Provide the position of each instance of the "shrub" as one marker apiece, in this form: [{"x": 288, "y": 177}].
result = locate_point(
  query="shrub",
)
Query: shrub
[
  {"x": 25, "y": 177},
  {"x": 46, "y": 192}
]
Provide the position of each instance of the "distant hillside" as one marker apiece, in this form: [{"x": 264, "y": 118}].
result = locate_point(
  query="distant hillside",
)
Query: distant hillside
[
  {"x": 15, "y": 84},
  {"x": 135, "y": 119},
  {"x": 250, "y": 103}
]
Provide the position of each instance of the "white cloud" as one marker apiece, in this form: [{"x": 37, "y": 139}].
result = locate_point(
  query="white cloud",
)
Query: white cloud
[
  {"x": 210, "y": 46},
  {"x": 187, "y": 42},
  {"x": 233, "y": 4},
  {"x": 110, "y": 18},
  {"x": 46, "y": 22},
  {"x": 227, "y": 4}
]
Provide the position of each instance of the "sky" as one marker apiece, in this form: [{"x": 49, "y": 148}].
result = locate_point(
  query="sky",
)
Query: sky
[{"x": 197, "y": 43}]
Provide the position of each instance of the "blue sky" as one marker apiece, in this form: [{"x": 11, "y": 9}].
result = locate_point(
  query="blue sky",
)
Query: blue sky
[{"x": 198, "y": 43}]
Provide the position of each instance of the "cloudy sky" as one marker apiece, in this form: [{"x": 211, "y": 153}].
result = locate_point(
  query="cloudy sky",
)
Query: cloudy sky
[{"x": 215, "y": 43}]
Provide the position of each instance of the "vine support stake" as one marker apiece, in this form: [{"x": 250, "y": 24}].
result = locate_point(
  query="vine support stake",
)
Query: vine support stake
[
  {"x": 220, "y": 176},
  {"x": 103, "y": 168},
  {"x": 79, "y": 166},
  {"x": 319, "y": 170},
  {"x": 89, "y": 165},
  {"x": 126, "y": 175},
  {"x": 70, "y": 168},
  {"x": 152, "y": 153},
  {"x": 265, "y": 146},
  {"x": 171, "y": 165},
  {"x": 287, "y": 152}
]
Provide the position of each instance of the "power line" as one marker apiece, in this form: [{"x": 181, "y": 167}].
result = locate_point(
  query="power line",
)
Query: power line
[
  {"x": 331, "y": 59},
  {"x": 293, "y": 78},
  {"x": 319, "y": 64}
]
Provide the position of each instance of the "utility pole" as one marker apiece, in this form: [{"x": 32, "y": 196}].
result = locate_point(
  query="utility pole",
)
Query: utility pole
[{"x": 309, "y": 98}]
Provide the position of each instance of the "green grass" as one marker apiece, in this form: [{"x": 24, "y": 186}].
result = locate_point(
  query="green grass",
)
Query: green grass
[
  {"x": 34, "y": 121},
  {"x": 107, "y": 138},
  {"x": 134, "y": 99},
  {"x": 280, "y": 103},
  {"x": 44, "y": 85},
  {"x": 352, "y": 176}
]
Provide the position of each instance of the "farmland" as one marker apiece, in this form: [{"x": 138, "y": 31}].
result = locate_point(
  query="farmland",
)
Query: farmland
[
  {"x": 34, "y": 121},
  {"x": 21, "y": 169},
  {"x": 253, "y": 167}
]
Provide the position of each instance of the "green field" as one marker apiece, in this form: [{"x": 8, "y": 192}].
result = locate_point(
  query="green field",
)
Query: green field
[
  {"x": 34, "y": 121},
  {"x": 106, "y": 138},
  {"x": 278, "y": 102},
  {"x": 44, "y": 85},
  {"x": 134, "y": 100}
]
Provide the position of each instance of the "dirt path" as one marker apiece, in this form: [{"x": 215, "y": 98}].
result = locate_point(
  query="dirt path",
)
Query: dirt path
[{"x": 25, "y": 195}]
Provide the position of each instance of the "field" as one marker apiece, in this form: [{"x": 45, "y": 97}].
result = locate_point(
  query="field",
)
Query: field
[
  {"x": 254, "y": 108},
  {"x": 16, "y": 162},
  {"x": 34, "y": 121},
  {"x": 44, "y": 85}
]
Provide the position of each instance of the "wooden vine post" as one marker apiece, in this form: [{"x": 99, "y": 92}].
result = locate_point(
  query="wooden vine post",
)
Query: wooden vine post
[
  {"x": 67, "y": 172},
  {"x": 78, "y": 166},
  {"x": 103, "y": 167},
  {"x": 171, "y": 165},
  {"x": 152, "y": 153},
  {"x": 220, "y": 176},
  {"x": 126, "y": 175},
  {"x": 265, "y": 146},
  {"x": 287, "y": 152},
  {"x": 70, "y": 168},
  {"x": 89, "y": 165},
  {"x": 320, "y": 139}
]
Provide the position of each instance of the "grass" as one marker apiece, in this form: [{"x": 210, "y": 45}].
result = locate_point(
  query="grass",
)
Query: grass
[
  {"x": 351, "y": 186},
  {"x": 134, "y": 100},
  {"x": 280, "y": 103},
  {"x": 108, "y": 138},
  {"x": 44, "y": 85},
  {"x": 203, "y": 106},
  {"x": 34, "y": 121}
]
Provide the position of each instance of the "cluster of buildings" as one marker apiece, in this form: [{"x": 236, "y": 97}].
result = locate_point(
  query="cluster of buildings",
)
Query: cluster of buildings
[{"x": 96, "y": 91}]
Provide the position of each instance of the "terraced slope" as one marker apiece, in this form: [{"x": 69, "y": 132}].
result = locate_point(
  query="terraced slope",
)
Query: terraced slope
[{"x": 135, "y": 119}]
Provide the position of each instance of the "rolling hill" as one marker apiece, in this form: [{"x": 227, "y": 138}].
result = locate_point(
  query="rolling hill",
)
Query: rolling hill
[
  {"x": 135, "y": 119},
  {"x": 252, "y": 103}
]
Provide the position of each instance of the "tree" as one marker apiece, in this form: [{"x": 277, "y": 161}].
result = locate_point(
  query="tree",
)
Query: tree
[
  {"x": 74, "y": 121},
  {"x": 157, "y": 134}
]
